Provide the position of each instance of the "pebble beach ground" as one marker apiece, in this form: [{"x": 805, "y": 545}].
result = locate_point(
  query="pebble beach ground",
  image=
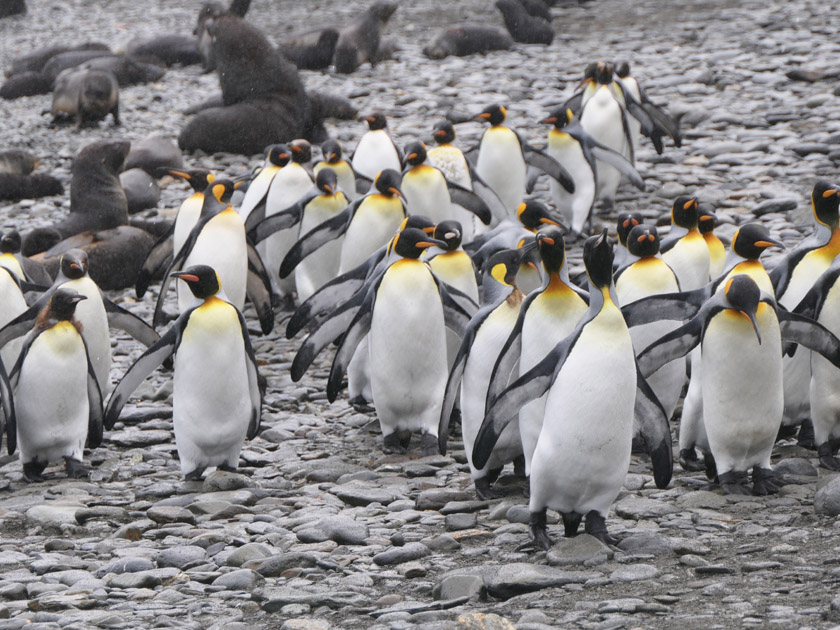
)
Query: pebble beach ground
[{"x": 321, "y": 530}]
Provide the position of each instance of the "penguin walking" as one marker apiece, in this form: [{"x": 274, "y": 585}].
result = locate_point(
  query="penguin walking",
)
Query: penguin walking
[
  {"x": 547, "y": 316},
  {"x": 334, "y": 159},
  {"x": 58, "y": 401},
  {"x": 376, "y": 150},
  {"x": 216, "y": 396},
  {"x": 592, "y": 380},
  {"x": 579, "y": 153},
  {"x": 684, "y": 249},
  {"x": 503, "y": 158},
  {"x": 470, "y": 375},
  {"x": 740, "y": 332}
]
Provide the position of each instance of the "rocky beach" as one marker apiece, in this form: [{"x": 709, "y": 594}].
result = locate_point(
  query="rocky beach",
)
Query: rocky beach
[{"x": 319, "y": 530}]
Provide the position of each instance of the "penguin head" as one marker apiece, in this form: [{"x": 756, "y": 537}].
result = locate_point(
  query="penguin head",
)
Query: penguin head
[
  {"x": 589, "y": 74},
  {"x": 62, "y": 304},
  {"x": 604, "y": 72},
  {"x": 197, "y": 178},
  {"x": 626, "y": 221},
  {"x": 743, "y": 295},
  {"x": 387, "y": 182},
  {"x": 301, "y": 151},
  {"x": 376, "y": 121},
  {"x": 494, "y": 114},
  {"x": 707, "y": 220},
  {"x": 598, "y": 258},
  {"x": 74, "y": 264},
  {"x": 622, "y": 69},
  {"x": 10, "y": 243},
  {"x": 449, "y": 232},
  {"x": 684, "y": 212},
  {"x": 552, "y": 248},
  {"x": 504, "y": 265},
  {"x": 415, "y": 153},
  {"x": 443, "y": 132},
  {"x": 331, "y": 151},
  {"x": 411, "y": 242},
  {"x": 278, "y": 154},
  {"x": 327, "y": 181},
  {"x": 824, "y": 201},
  {"x": 202, "y": 280},
  {"x": 560, "y": 117},
  {"x": 534, "y": 215},
  {"x": 221, "y": 190},
  {"x": 752, "y": 239},
  {"x": 643, "y": 241}
]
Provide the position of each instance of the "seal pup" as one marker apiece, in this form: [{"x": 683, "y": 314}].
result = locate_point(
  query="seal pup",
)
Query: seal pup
[{"x": 360, "y": 41}]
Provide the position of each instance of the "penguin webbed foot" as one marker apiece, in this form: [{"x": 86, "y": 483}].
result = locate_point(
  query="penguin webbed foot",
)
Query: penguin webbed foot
[
  {"x": 194, "y": 475},
  {"x": 689, "y": 460},
  {"x": 805, "y": 438},
  {"x": 361, "y": 405},
  {"x": 483, "y": 490},
  {"x": 734, "y": 482},
  {"x": 765, "y": 482},
  {"x": 539, "y": 531},
  {"x": 786, "y": 431},
  {"x": 33, "y": 471},
  {"x": 571, "y": 524},
  {"x": 226, "y": 468},
  {"x": 391, "y": 444},
  {"x": 596, "y": 525},
  {"x": 75, "y": 468},
  {"x": 827, "y": 458},
  {"x": 710, "y": 465},
  {"x": 428, "y": 445},
  {"x": 285, "y": 303}
]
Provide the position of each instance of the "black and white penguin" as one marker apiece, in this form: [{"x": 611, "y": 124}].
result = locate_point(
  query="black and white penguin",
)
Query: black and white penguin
[
  {"x": 216, "y": 397},
  {"x": 376, "y": 150},
  {"x": 707, "y": 221},
  {"x": 625, "y": 222},
  {"x": 333, "y": 157},
  {"x": 684, "y": 249}
]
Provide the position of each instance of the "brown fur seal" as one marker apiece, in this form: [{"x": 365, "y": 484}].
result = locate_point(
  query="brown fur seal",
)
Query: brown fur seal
[
  {"x": 467, "y": 39},
  {"x": 522, "y": 26},
  {"x": 34, "y": 61},
  {"x": 57, "y": 64},
  {"x": 537, "y": 8},
  {"x": 152, "y": 153},
  {"x": 86, "y": 95},
  {"x": 12, "y": 7},
  {"x": 97, "y": 200},
  {"x": 169, "y": 50},
  {"x": 127, "y": 69},
  {"x": 17, "y": 161},
  {"x": 311, "y": 51},
  {"x": 360, "y": 41},
  {"x": 25, "y": 84},
  {"x": 14, "y": 186},
  {"x": 208, "y": 12}
]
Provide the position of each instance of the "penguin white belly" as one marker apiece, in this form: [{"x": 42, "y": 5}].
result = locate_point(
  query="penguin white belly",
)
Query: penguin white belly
[
  {"x": 451, "y": 162},
  {"x": 550, "y": 319},
  {"x": 825, "y": 378},
  {"x": 375, "y": 222},
  {"x": 426, "y": 193},
  {"x": 221, "y": 245},
  {"x": 490, "y": 338},
  {"x": 408, "y": 350},
  {"x": 13, "y": 265},
  {"x": 12, "y": 304},
  {"x": 187, "y": 217},
  {"x": 456, "y": 270},
  {"x": 344, "y": 173},
  {"x": 211, "y": 402},
  {"x": 91, "y": 314},
  {"x": 689, "y": 258},
  {"x": 374, "y": 153},
  {"x": 51, "y": 400},
  {"x": 289, "y": 185},
  {"x": 692, "y": 429},
  {"x": 320, "y": 266},
  {"x": 501, "y": 164},
  {"x": 575, "y": 207},
  {"x": 601, "y": 118},
  {"x": 257, "y": 190},
  {"x": 583, "y": 451},
  {"x": 742, "y": 393}
]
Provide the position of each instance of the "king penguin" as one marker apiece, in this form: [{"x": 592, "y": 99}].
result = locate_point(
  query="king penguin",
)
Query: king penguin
[
  {"x": 23, "y": 267},
  {"x": 684, "y": 249},
  {"x": 216, "y": 396},
  {"x": 592, "y": 380},
  {"x": 707, "y": 221},
  {"x": 625, "y": 222},
  {"x": 376, "y": 150},
  {"x": 58, "y": 402},
  {"x": 334, "y": 159},
  {"x": 277, "y": 156}
]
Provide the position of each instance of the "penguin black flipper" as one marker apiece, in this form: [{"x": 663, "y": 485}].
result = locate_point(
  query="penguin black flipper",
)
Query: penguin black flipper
[
  {"x": 258, "y": 289},
  {"x": 257, "y": 213},
  {"x": 654, "y": 430},
  {"x": 321, "y": 234},
  {"x": 363, "y": 183},
  {"x": 458, "y": 307},
  {"x": 120, "y": 318},
  {"x": 8, "y": 406},
  {"x": 23, "y": 323},
  {"x": 156, "y": 354},
  {"x": 253, "y": 381},
  {"x": 157, "y": 260},
  {"x": 677, "y": 343},
  {"x": 811, "y": 305},
  {"x": 672, "y": 306},
  {"x": 95, "y": 411},
  {"x": 617, "y": 161},
  {"x": 548, "y": 165},
  {"x": 490, "y": 197},
  {"x": 469, "y": 200},
  {"x": 336, "y": 291},
  {"x": 508, "y": 355},
  {"x": 282, "y": 220},
  {"x": 575, "y": 103},
  {"x": 530, "y": 386},
  {"x": 810, "y": 334},
  {"x": 662, "y": 120}
]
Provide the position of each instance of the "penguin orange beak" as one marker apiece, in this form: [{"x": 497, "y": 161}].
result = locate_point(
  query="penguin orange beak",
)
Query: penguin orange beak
[
  {"x": 429, "y": 230},
  {"x": 551, "y": 120},
  {"x": 186, "y": 277},
  {"x": 583, "y": 83},
  {"x": 368, "y": 119},
  {"x": 329, "y": 189},
  {"x": 546, "y": 239},
  {"x": 396, "y": 192},
  {"x": 770, "y": 243},
  {"x": 483, "y": 116},
  {"x": 440, "y": 133},
  {"x": 76, "y": 266},
  {"x": 751, "y": 316},
  {"x": 332, "y": 157},
  {"x": 430, "y": 243},
  {"x": 412, "y": 156}
]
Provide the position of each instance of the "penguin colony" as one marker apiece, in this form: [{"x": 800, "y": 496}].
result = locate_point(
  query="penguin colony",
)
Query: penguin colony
[{"x": 445, "y": 289}]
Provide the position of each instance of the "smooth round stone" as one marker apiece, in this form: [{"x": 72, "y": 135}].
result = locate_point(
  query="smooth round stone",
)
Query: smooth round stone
[
  {"x": 457, "y": 522},
  {"x": 518, "y": 514},
  {"x": 577, "y": 550},
  {"x": 181, "y": 557},
  {"x": 634, "y": 573},
  {"x": 223, "y": 481},
  {"x": 239, "y": 580},
  {"x": 246, "y": 553},
  {"x": 53, "y": 514},
  {"x": 170, "y": 514},
  {"x": 827, "y": 498}
]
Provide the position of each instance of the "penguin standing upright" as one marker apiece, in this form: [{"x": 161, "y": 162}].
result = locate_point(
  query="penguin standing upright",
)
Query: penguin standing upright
[
  {"x": 503, "y": 158},
  {"x": 707, "y": 221},
  {"x": 592, "y": 380},
  {"x": 376, "y": 150},
  {"x": 740, "y": 332},
  {"x": 334, "y": 159},
  {"x": 23, "y": 267},
  {"x": 216, "y": 396},
  {"x": 277, "y": 156},
  {"x": 579, "y": 153},
  {"x": 12, "y": 304},
  {"x": 684, "y": 249},
  {"x": 58, "y": 403},
  {"x": 625, "y": 222}
]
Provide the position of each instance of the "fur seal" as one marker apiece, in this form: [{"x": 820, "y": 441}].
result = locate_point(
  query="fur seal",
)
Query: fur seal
[
  {"x": 152, "y": 153},
  {"x": 126, "y": 69},
  {"x": 86, "y": 95},
  {"x": 537, "y": 8},
  {"x": 14, "y": 186},
  {"x": 169, "y": 49},
  {"x": 360, "y": 41},
  {"x": 17, "y": 161},
  {"x": 311, "y": 51},
  {"x": 208, "y": 12},
  {"x": 522, "y": 26},
  {"x": 467, "y": 39},
  {"x": 62, "y": 61},
  {"x": 25, "y": 84},
  {"x": 97, "y": 200},
  {"x": 34, "y": 61},
  {"x": 12, "y": 7},
  {"x": 141, "y": 189}
]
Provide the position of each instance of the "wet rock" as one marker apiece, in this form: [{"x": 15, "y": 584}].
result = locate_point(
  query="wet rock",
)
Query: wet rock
[
  {"x": 577, "y": 550},
  {"x": 362, "y": 495},
  {"x": 456, "y": 522},
  {"x": 274, "y": 566},
  {"x": 634, "y": 573},
  {"x": 223, "y": 481},
  {"x": 518, "y": 578},
  {"x": 397, "y": 555},
  {"x": 458, "y": 586},
  {"x": 637, "y": 508},
  {"x": 181, "y": 557},
  {"x": 170, "y": 514},
  {"x": 344, "y": 531},
  {"x": 248, "y": 553},
  {"x": 436, "y": 498},
  {"x": 827, "y": 498},
  {"x": 653, "y": 544},
  {"x": 774, "y": 205},
  {"x": 240, "y": 580}
]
